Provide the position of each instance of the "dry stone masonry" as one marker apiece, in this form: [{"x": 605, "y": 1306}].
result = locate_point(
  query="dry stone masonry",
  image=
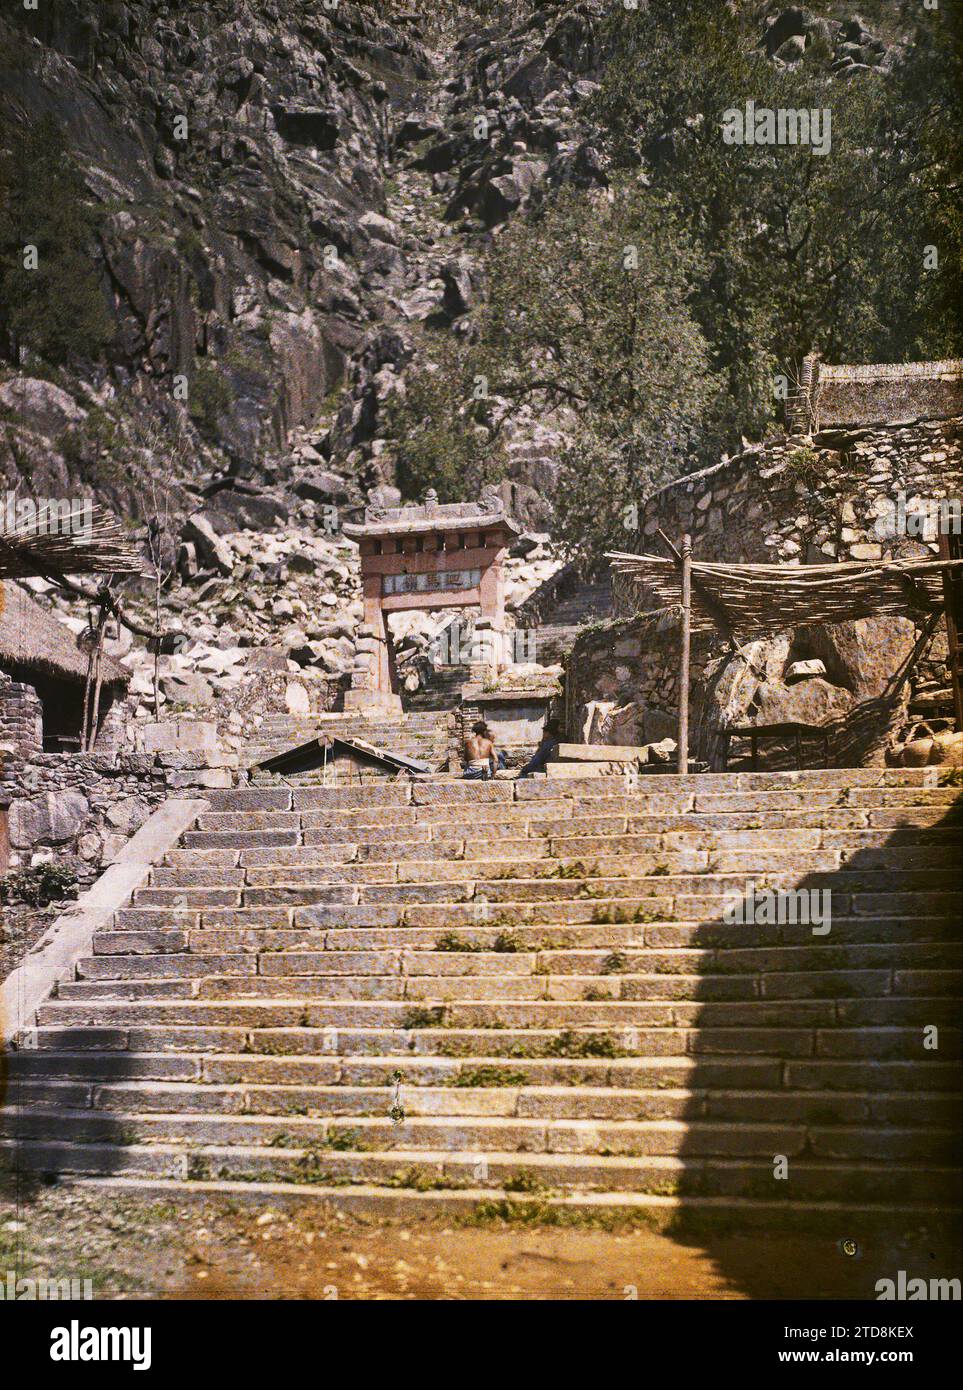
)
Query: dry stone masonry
[{"x": 838, "y": 495}]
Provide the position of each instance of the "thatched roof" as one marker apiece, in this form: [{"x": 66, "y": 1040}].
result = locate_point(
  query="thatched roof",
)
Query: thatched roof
[
  {"x": 73, "y": 544},
  {"x": 32, "y": 639},
  {"x": 751, "y": 600}
]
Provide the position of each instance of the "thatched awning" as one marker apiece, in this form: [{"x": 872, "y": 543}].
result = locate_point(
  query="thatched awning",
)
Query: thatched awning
[
  {"x": 750, "y": 600},
  {"x": 92, "y": 543},
  {"x": 32, "y": 640}
]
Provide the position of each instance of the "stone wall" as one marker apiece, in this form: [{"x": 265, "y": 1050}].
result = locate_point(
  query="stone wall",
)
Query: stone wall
[
  {"x": 812, "y": 500},
  {"x": 832, "y": 497},
  {"x": 81, "y": 809},
  {"x": 77, "y": 809},
  {"x": 21, "y": 716}
]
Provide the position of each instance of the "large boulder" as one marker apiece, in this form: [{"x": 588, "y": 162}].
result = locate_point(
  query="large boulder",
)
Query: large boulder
[
  {"x": 40, "y": 406},
  {"x": 812, "y": 701},
  {"x": 128, "y": 814},
  {"x": 793, "y": 22},
  {"x": 505, "y": 193},
  {"x": 232, "y": 509},
  {"x": 863, "y": 655},
  {"x": 320, "y": 485},
  {"x": 211, "y": 550},
  {"x": 51, "y": 819},
  {"x": 459, "y": 290},
  {"x": 187, "y": 688},
  {"x": 776, "y": 680}
]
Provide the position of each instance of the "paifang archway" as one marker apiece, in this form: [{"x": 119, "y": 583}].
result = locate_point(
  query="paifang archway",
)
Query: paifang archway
[{"x": 430, "y": 555}]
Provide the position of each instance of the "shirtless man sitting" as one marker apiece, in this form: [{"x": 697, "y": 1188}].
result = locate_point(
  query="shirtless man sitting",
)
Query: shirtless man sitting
[{"x": 480, "y": 755}]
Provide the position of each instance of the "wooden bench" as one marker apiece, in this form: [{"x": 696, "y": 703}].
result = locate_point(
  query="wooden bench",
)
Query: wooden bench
[{"x": 789, "y": 730}]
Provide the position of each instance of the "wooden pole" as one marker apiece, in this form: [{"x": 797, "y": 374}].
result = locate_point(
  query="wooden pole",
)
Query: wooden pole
[
  {"x": 682, "y": 763},
  {"x": 952, "y": 588}
]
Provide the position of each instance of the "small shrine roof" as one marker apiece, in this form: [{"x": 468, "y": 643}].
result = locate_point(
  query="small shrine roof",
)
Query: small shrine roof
[{"x": 422, "y": 518}]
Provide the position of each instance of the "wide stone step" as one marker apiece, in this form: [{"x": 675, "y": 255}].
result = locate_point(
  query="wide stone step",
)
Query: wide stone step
[
  {"x": 876, "y": 847},
  {"x": 669, "y": 897},
  {"x": 776, "y": 972},
  {"x": 121, "y": 954},
  {"x": 426, "y": 1182},
  {"x": 543, "y": 924},
  {"x": 310, "y": 982},
  {"x": 280, "y": 1033},
  {"x": 807, "y": 1026},
  {"x": 148, "y": 930},
  {"x": 860, "y": 994},
  {"x": 599, "y": 862},
  {"x": 481, "y": 1133},
  {"x": 750, "y": 1076},
  {"x": 558, "y": 818},
  {"x": 268, "y": 1068},
  {"x": 706, "y": 1074},
  {"x": 495, "y": 1090}
]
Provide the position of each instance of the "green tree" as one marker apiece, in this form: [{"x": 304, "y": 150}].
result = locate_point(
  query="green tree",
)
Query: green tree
[
  {"x": 439, "y": 429},
  {"x": 57, "y": 309},
  {"x": 588, "y": 313},
  {"x": 587, "y": 329},
  {"x": 802, "y": 251}
]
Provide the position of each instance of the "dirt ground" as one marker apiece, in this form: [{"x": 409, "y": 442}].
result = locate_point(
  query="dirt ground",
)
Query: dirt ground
[{"x": 224, "y": 1249}]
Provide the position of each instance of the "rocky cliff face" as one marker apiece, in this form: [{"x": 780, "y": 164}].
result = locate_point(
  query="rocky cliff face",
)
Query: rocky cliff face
[
  {"x": 290, "y": 191},
  {"x": 287, "y": 189},
  {"x": 236, "y": 150}
]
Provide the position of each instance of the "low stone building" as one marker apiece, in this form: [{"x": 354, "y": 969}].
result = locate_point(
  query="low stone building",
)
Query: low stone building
[
  {"x": 854, "y": 489},
  {"x": 43, "y": 673}
]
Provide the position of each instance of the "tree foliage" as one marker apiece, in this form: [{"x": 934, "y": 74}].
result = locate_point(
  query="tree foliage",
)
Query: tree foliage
[
  {"x": 587, "y": 327},
  {"x": 439, "y": 428},
  {"x": 588, "y": 311},
  {"x": 801, "y": 251}
]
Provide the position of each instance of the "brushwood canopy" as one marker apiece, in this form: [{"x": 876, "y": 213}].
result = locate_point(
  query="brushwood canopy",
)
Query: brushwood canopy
[{"x": 747, "y": 600}]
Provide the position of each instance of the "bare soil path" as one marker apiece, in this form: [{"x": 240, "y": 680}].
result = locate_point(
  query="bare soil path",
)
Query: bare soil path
[{"x": 137, "y": 1248}]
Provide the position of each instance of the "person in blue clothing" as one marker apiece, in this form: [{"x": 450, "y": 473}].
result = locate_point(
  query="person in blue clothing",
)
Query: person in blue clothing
[{"x": 546, "y": 750}]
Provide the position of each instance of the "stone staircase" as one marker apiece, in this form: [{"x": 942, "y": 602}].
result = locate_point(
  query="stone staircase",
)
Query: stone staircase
[
  {"x": 438, "y": 995},
  {"x": 440, "y": 690},
  {"x": 585, "y": 601}
]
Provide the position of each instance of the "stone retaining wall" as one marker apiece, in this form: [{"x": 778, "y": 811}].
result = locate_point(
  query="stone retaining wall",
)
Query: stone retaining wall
[
  {"x": 832, "y": 497},
  {"x": 808, "y": 499},
  {"x": 84, "y": 808}
]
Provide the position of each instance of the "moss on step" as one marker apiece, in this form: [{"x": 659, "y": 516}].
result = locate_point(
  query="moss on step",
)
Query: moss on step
[
  {"x": 572, "y": 1044},
  {"x": 451, "y": 941},
  {"x": 485, "y": 1076},
  {"x": 424, "y": 1018}
]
